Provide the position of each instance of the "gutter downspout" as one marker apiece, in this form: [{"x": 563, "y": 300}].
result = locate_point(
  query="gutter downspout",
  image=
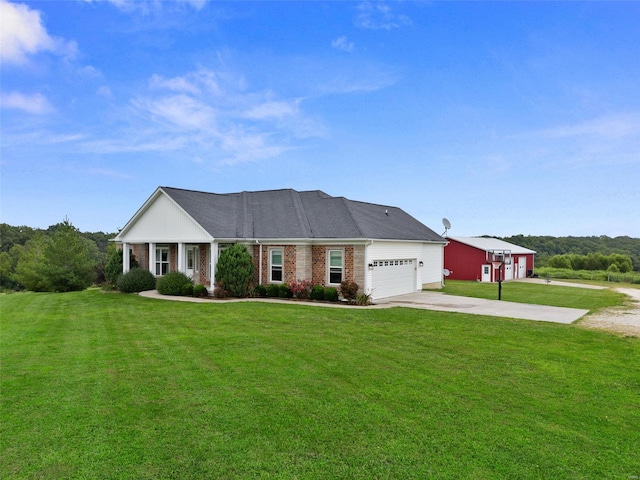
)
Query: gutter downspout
[{"x": 259, "y": 263}]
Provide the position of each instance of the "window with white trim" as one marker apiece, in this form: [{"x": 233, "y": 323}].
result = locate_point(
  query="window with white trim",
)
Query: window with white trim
[
  {"x": 276, "y": 267},
  {"x": 336, "y": 266},
  {"x": 162, "y": 260}
]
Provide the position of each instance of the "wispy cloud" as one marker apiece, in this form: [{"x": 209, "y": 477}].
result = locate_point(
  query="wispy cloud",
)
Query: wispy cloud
[
  {"x": 342, "y": 43},
  {"x": 379, "y": 16},
  {"x": 609, "y": 127},
  {"x": 23, "y": 35},
  {"x": 103, "y": 172},
  {"x": 272, "y": 109},
  {"x": 145, "y": 7},
  {"x": 213, "y": 116},
  {"x": 181, "y": 111},
  {"x": 36, "y": 103}
]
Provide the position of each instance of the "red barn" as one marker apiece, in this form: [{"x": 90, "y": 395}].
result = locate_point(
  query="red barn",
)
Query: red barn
[{"x": 470, "y": 258}]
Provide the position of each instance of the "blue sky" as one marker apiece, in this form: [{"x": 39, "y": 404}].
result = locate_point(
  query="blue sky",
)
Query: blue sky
[{"x": 505, "y": 117}]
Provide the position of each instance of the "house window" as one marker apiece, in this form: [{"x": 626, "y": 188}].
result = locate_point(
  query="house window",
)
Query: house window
[
  {"x": 276, "y": 268},
  {"x": 191, "y": 259},
  {"x": 162, "y": 260},
  {"x": 336, "y": 266}
]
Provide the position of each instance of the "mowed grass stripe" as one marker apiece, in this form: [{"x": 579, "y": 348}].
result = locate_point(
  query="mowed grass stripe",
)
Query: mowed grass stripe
[
  {"x": 99, "y": 385},
  {"x": 554, "y": 294}
]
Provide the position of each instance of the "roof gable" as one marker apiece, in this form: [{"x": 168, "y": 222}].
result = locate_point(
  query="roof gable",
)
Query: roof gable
[{"x": 162, "y": 219}]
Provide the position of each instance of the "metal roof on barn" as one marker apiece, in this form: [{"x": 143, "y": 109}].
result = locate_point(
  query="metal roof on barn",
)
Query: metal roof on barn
[
  {"x": 289, "y": 214},
  {"x": 490, "y": 243}
]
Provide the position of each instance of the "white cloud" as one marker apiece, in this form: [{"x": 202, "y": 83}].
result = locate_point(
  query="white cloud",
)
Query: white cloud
[
  {"x": 268, "y": 110},
  {"x": 611, "y": 126},
  {"x": 36, "y": 103},
  {"x": 147, "y": 6},
  {"x": 342, "y": 43},
  {"x": 105, "y": 91},
  {"x": 89, "y": 71},
  {"x": 176, "y": 84},
  {"x": 23, "y": 35},
  {"x": 378, "y": 16},
  {"x": 103, "y": 172},
  {"x": 192, "y": 82},
  {"x": 181, "y": 111}
]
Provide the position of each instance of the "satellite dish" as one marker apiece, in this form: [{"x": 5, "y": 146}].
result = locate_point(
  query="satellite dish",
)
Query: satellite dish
[
  {"x": 446, "y": 272},
  {"x": 447, "y": 226}
]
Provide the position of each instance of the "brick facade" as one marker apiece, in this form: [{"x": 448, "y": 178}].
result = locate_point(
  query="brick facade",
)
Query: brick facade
[{"x": 301, "y": 262}]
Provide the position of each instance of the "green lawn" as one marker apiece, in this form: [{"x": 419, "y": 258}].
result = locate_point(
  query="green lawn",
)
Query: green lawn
[
  {"x": 540, "y": 294},
  {"x": 103, "y": 386}
]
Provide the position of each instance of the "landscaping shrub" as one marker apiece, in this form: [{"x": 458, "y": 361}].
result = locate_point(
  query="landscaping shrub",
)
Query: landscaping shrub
[
  {"x": 172, "y": 283},
  {"x": 284, "y": 291},
  {"x": 273, "y": 290},
  {"x": 235, "y": 271},
  {"x": 317, "y": 292},
  {"x": 331, "y": 294},
  {"x": 301, "y": 289},
  {"x": 260, "y": 291},
  {"x": 200, "y": 291},
  {"x": 219, "y": 291},
  {"x": 349, "y": 290},
  {"x": 136, "y": 280},
  {"x": 363, "y": 299},
  {"x": 187, "y": 290}
]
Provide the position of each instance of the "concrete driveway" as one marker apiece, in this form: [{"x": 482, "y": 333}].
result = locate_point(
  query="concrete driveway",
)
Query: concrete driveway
[{"x": 479, "y": 306}]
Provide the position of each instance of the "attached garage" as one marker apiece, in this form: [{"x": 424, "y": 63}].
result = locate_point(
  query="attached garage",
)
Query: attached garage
[{"x": 394, "y": 277}]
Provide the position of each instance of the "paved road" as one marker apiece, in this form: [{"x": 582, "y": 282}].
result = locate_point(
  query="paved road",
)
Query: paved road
[{"x": 479, "y": 306}]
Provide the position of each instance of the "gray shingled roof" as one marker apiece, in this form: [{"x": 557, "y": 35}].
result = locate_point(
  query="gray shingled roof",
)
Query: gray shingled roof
[{"x": 297, "y": 215}]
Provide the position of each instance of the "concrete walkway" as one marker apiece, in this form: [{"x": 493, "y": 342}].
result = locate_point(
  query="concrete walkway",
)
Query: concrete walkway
[{"x": 429, "y": 301}]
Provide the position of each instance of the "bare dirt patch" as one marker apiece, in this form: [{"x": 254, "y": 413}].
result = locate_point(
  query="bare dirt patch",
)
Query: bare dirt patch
[{"x": 624, "y": 319}]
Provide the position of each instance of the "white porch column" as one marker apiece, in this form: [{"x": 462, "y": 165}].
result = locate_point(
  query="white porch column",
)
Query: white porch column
[
  {"x": 181, "y": 264},
  {"x": 212, "y": 265},
  {"x": 126, "y": 265},
  {"x": 152, "y": 258}
]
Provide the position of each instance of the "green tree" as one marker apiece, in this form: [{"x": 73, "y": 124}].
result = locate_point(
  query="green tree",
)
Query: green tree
[
  {"x": 113, "y": 266},
  {"x": 234, "y": 271},
  {"x": 7, "y": 269},
  {"x": 29, "y": 264},
  {"x": 69, "y": 260}
]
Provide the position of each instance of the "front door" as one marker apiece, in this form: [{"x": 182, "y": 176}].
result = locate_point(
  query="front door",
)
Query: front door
[{"x": 192, "y": 262}]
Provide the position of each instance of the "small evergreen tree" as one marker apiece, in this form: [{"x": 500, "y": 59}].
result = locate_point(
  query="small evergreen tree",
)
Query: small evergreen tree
[
  {"x": 234, "y": 271},
  {"x": 113, "y": 267},
  {"x": 29, "y": 264},
  {"x": 69, "y": 260}
]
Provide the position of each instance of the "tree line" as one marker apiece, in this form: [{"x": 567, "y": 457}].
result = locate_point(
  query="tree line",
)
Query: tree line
[
  {"x": 582, "y": 253},
  {"x": 60, "y": 258}
]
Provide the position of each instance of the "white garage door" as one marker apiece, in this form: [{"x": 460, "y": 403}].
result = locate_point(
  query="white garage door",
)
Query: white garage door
[{"x": 393, "y": 277}]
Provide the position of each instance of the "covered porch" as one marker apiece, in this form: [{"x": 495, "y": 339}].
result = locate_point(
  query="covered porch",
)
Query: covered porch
[{"x": 196, "y": 260}]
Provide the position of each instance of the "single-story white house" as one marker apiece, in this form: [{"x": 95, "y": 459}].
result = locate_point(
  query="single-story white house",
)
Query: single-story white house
[{"x": 291, "y": 235}]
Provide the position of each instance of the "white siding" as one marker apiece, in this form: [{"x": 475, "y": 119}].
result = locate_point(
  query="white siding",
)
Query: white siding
[
  {"x": 431, "y": 255},
  {"x": 164, "y": 221}
]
